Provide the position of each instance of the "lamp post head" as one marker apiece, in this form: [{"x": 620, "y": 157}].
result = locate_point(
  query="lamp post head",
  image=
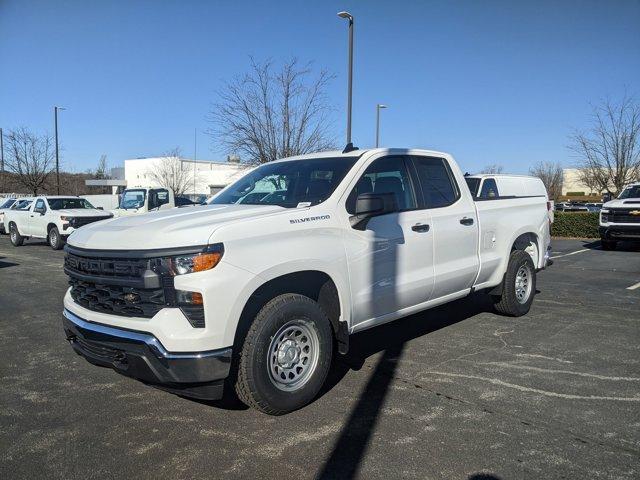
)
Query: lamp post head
[
  {"x": 346, "y": 15},
  {"x": 380, "y": 105}
]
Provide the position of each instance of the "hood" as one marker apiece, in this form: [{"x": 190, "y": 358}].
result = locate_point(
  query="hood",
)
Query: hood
[
  {"x": 176, "y": 227},
  {"x": 623, "y": 203},
  {"x": 82, "y": 212}
]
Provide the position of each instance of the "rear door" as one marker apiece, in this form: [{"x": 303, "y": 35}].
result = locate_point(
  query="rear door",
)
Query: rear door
[{"x": 454, "y": 225}]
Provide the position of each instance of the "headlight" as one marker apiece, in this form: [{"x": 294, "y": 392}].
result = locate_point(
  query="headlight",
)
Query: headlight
[
  {"x": 191, "y": 263},
  {"x": 604, "y": 216}
]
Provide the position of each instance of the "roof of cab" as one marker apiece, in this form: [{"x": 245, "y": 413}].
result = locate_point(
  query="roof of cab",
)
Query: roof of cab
[{"x": 358, "y": 153}]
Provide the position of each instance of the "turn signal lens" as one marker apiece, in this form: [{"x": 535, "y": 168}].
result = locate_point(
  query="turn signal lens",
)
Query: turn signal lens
[{"x": 206, "y": 261}]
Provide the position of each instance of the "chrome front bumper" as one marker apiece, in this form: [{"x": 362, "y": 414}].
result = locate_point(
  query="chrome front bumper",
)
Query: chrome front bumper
[{"x": 141, "y": 355}]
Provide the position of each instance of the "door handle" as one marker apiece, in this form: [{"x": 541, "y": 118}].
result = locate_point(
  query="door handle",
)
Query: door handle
[
  {"x": 466, "y": 221},
  {"x": 420, "y": 227}
]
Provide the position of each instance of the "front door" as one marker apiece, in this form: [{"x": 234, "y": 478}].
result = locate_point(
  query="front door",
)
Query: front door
[
  {"x": 37, "y": 219},
  {"x": 391, "y": 260}
]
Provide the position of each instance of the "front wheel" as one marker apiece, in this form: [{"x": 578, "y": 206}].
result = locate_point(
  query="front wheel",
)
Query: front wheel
[
  {"x": 519, "y": 286},
  {"x": 286, "y": 355},
  {"x": 16, "y": 239},
  {"x": 55, "y": 239}
]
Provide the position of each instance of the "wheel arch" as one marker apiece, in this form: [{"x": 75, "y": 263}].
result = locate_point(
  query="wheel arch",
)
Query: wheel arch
[{"x": 316, "y": 284}]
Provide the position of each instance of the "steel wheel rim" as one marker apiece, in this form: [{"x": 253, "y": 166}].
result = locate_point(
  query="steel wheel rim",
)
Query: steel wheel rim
[
  {"x": 13, "y": 235},
  {"x": 523, "y": 284},
  {"x": 53, "y": 238},
  {"x": 293, "y": 355}
]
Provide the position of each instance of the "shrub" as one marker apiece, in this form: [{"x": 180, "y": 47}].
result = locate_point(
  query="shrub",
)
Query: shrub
[
  {"x": 576, "y": 224},
  {"x": 575, "y": 194}
]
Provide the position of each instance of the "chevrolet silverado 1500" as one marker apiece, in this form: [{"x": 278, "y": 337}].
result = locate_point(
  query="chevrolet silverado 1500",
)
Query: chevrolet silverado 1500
[
  {"x": 620, "y": 218},
  {"x": 256, "y": 290}
]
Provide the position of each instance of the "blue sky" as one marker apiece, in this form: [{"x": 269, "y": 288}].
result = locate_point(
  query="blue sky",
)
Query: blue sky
[{"x": 489, "y": 82}]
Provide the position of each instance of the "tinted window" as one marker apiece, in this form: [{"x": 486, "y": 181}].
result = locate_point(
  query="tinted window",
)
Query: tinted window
[
  {"x": 62, "y": 203},
  {"x": 158, "y": 197},
  {"x": 631, "y": 192},
  {"x": 489, "y": 189},
  {"x": 473, "y": 184},
  {"x": 8, "y": 203},
  {"x": 385, "y": 175},
  {"x": 289, "y": 183},
  {"x": 438, "y": 186},
  {"x": 21, "y": 205}
]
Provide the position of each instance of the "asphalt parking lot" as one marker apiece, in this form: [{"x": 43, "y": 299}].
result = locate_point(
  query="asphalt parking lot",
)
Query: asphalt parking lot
[{"x": 455, "y": 392}]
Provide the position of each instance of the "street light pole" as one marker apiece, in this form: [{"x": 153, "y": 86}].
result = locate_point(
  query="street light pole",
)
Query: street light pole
[
  {"x": 348, "y": 16},
  {"x": 378, "y": 108},
  {"x": 55, "y": 116}
]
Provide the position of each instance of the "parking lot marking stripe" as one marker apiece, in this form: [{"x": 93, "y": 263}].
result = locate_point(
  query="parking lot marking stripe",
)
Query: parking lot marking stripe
[
  {"x": 634, "y": 286},
  {"x": 572, "y": 253},
  {"x": 522, "y": 388}
]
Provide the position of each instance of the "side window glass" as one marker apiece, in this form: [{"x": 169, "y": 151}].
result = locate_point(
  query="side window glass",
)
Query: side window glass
[
  {"x": 158, "y": 198},
  {"x": 439, "y": 188},
  {"x": 489, "y": 189},
  {"x": 40, "y": 206},
  {"x": 385, "y": 175}
]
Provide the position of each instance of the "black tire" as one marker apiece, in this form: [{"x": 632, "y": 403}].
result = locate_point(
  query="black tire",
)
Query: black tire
[
  {"x": 56, "y": 241},
  {"x": 513, "y": 302},
  {"x": 16, "y": 239},
  {"x": 256, "y": 384},
  {"x": 608, "y": 244}
]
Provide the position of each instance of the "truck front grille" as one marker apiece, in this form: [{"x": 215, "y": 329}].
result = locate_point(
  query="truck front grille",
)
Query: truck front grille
[
  {"x": 117, "y": 300},
  {"x": 105, "y": 267},
  {"x": 77, "y": 222},
  {"x": 620, "y": 215}
]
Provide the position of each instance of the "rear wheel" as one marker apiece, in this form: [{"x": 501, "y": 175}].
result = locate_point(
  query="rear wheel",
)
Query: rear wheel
[
  {"x": 286, "y": 355},
  {"x": 16, "y": 239},
  {"x": 55, "y": 239},
  {"x": 519, "y": 286},
  {"x": 608, "y": 244}
]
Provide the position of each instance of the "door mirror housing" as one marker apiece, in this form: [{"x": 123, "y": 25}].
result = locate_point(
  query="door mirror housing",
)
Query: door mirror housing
[
  {"x": 40, "y": 210},
  {"x": 369, "y": 205}
]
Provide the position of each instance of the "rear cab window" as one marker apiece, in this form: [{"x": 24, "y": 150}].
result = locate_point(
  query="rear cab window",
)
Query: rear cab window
[
  {"x": 438, "y": 188},
  {"x": 489, "y": 189}
]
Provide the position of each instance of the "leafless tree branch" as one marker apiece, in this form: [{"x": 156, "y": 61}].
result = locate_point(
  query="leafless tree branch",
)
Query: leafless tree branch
[
  {"x": 551, "y": 175},
  {"x": 30, "y": 157},
  {"x": 267, "y": 114},
  {"x": 170, "y": 172}
]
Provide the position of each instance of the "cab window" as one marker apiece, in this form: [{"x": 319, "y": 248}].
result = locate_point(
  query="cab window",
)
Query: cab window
[
  {"x": 40, "y": 206},
  {"x": 438, "y": 187},
  {"x": 157, "y": 198},
  {"x": 385, "y": 175}
]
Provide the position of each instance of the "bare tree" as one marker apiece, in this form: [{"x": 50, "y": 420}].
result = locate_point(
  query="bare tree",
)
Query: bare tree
[
  {"x": 170, "y": 172},
  {"x": 101, "y": 170},
  {"x": 609, "y": 152},
  {"x": 30, "y": 157},
  {"x": 551, "y": 175},
  {"x": 493, "y": 168},
  {"x": 266, "y": 114}
]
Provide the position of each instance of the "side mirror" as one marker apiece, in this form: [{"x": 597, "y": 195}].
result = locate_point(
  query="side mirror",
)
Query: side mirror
[
  {"x": 99, "y": 208},
  {"x": 370, "y": 205},
  {"x": 40, "y": 210}
]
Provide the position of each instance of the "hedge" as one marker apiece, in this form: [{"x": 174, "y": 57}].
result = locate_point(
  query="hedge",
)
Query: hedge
[{"x": 576, "y": 224}]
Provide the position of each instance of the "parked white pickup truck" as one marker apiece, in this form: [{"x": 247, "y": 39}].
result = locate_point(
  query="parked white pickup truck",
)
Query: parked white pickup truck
[
  {"x": 620, "y": 218},
  {"x": 5, "y": 204},
  {"x": 51, "y": 217},
  {"x": 138, "y": 200},
  {"x": 284, "y": 265}
]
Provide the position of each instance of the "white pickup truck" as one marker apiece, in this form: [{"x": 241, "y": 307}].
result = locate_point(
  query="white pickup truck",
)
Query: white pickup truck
[
  {"x": 52, "y": 217},
  {"x": 620, "y": 218},
  {"x": 261, "y": 286}
]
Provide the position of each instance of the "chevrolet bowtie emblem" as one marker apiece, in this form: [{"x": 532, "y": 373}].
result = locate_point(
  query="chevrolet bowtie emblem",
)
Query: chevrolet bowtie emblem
[{"x": 634, "y": 212}]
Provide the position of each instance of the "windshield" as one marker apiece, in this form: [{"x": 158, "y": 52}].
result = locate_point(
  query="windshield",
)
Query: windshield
[
  {"x": 288, "y": 184},
  {"x": 8, "y": 203},
  {"x": 473, "y": 184},
  {"x": 21, "y": 205},
  {"x": 631, "y": 192},
  {"x": 65, "y": 203},
  {"x": 133, "y": 199}
]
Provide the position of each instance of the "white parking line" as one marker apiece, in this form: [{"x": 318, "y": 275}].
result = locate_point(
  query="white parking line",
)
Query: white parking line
[
  {"x": 634, "y": 286},
  {"x": 572, "y": 253}
]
